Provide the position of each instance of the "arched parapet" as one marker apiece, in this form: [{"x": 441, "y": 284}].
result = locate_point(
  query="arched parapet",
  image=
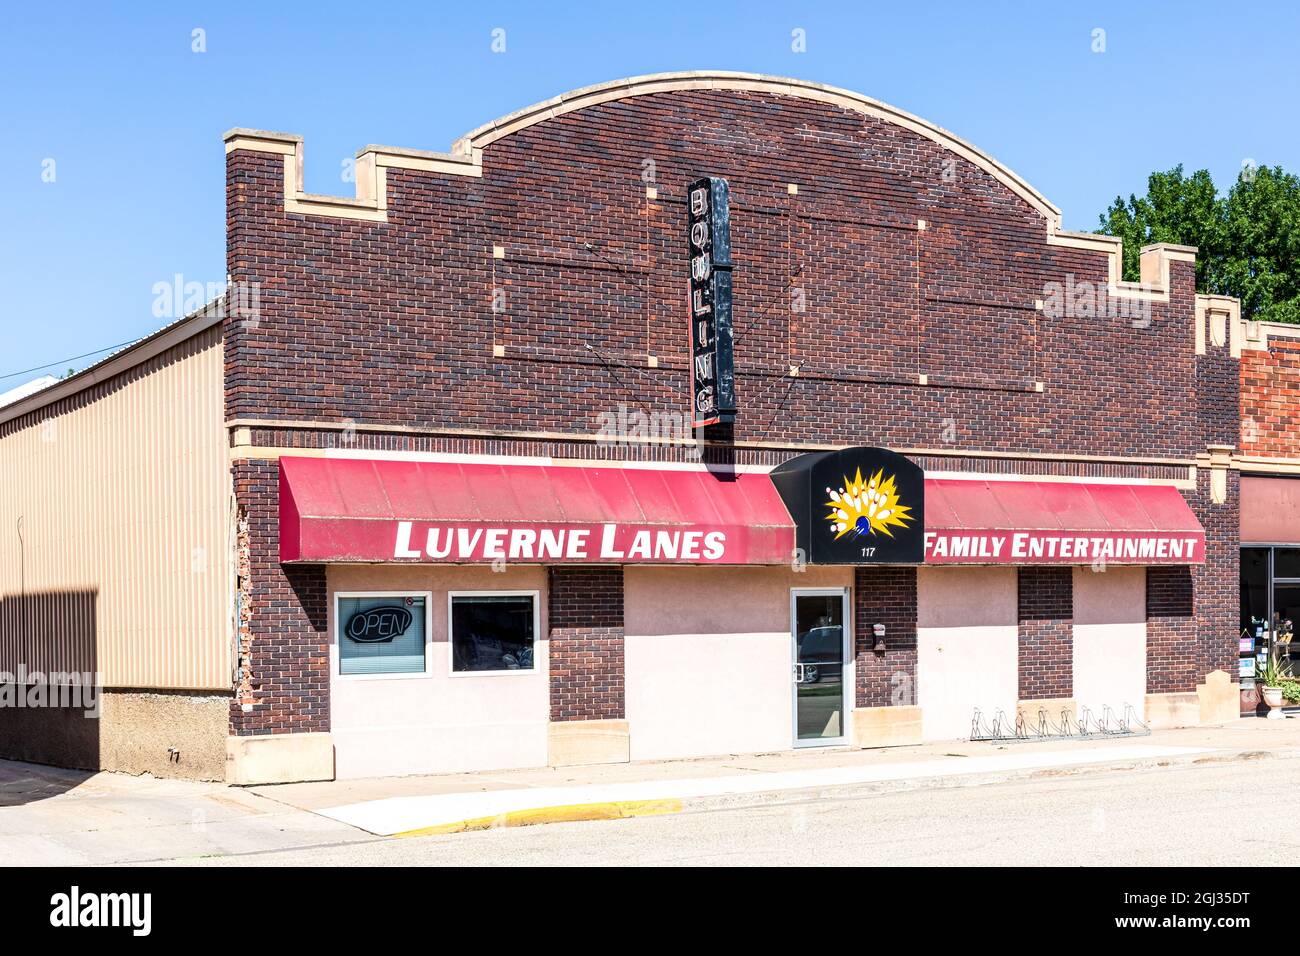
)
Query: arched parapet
[{"x": 466, "y": 159}]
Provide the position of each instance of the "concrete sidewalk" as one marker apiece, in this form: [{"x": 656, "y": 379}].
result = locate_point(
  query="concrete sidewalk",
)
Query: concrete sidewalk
[
  {"x": 416, "y": 806},
  {"x": 51, "y": 817},
  {"x": 55, "y": 817}
]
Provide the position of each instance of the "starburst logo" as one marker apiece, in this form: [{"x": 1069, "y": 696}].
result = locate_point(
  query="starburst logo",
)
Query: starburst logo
[{"x": 866, "y": 507}]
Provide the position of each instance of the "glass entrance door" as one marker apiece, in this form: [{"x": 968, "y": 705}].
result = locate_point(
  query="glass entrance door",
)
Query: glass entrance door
[{"x": 820, "y": 648}]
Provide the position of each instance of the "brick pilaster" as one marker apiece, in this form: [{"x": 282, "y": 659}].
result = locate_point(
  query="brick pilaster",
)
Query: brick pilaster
[
  {"x": 1045, "y": 616},
  {"x": 1217, "y": 583},
  {"x": 586, "y": 634},
  {"x": 885, "y": 595},
  {"x": 1220, "y": 402}
]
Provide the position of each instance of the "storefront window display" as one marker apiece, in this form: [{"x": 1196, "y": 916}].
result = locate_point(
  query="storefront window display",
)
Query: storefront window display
[
  {"x": 1270, "y": 606},
  {"x": 493, "y": 632},
  {"x": 381, "y": 634}
]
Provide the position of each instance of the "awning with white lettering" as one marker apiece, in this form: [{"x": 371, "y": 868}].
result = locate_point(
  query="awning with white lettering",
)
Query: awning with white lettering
[
  {"x": 335, "y": 510},
  {"x": 1058, "y": 522},
  {"x": 359, "y": 510}
]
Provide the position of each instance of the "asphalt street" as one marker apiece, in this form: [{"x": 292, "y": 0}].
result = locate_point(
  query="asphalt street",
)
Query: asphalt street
[{"x": 1206, "y": 814}]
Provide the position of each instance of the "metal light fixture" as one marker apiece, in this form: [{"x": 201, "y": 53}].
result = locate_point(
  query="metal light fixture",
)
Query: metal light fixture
[{"x": 879, "y": 631}]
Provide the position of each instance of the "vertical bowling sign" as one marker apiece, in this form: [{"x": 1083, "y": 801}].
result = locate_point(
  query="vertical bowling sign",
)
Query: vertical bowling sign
[{"x": 713, "y": 380}]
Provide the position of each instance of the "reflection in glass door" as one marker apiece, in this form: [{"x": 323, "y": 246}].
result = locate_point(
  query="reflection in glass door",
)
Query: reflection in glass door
[{"x": 820, "y": 646}]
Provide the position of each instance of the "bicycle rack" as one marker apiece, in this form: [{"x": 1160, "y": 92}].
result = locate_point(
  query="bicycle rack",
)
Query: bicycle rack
[{"x": 1086, "y": 726}]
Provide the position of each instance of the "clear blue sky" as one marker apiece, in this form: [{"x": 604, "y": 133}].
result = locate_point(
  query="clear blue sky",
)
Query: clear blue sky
[{"x": 133, "y": 118}]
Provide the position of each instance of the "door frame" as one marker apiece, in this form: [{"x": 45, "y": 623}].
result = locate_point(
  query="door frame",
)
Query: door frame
[{"x": 846, "y": 670}]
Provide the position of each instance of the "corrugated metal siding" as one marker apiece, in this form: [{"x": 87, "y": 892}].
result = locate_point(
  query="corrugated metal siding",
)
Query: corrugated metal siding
[{"x": 123, "y": 491}]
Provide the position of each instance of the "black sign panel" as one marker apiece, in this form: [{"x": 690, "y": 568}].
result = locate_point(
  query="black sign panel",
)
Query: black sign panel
[
  {"x": 855, "y": 506},
  {"x": 378, "y": 625},
  {"x": 713, "y": 381}
]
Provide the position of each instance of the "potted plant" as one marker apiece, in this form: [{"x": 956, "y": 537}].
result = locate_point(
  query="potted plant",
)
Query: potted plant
[
  {"x": 1270, "y": 677},
  {"x": 1291, "y": 691}
]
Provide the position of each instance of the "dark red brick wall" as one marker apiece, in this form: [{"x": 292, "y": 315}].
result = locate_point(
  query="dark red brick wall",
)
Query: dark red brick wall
[
  {"x": 1045, "y": 606},
  {"x": 1172, "y": 657},
  {"x": 885, "y": 595},
  {"x": 586, "y": 628},
  {"x": 1217, "y": 401},
  {"x": 289, "y": 662},
  {"x": 393, "y": 323}
]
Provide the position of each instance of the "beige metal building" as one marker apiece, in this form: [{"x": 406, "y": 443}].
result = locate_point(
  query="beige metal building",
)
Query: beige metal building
[{"x": 116, "y": 561}]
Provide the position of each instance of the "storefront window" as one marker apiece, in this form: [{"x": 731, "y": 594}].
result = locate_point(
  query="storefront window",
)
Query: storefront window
[
  {"x": 1286, "y": 611},
  {"x": 381, "y": 633},
  {"x": 493, "y": 632},
  {"x": 1270, "y": 606},
  {"x": 1254, "y": 591}
]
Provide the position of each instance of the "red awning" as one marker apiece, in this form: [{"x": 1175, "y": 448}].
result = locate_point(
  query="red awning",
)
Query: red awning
[
  {"x": 357, "y": 510},
  {"x": 341, "y": 510},
  {"x": 1058, "y": 522}
]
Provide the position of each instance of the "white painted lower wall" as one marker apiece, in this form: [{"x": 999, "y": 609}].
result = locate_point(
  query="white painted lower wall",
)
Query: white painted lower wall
[
  {"x": 439, "y": 723},
  {"x": 1110, "y": 639},
  {"x": 967, "y": 647},
  {"x": 708, "y": 658},
  {"x": 708, "y": 661}
]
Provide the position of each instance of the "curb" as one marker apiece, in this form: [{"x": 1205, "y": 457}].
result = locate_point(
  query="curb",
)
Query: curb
[
  {"x": 958, "y": 781},
  {"x": 627, "y": 809},
  {"x": 573, "y": 813}
]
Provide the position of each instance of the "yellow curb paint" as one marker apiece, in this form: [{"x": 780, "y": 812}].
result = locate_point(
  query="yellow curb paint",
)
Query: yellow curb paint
[{"x": 615, "y": 810}]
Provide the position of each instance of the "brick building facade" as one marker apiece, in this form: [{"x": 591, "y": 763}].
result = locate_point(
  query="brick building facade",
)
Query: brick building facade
[
  {"x": 1269, "y": 490},
  {"x": 512, "y": 303},
  {"x": 894, "y": 287}
]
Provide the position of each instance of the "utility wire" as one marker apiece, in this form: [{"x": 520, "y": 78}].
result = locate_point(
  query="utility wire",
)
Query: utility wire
[
  {"x": 794, "y": 380},
  {"x": 789, "y": 284},
  {"x": 593, "y": 250},
  {"x": 793, "y": 377},
  {"x": 28, "y": 371},
  {"x": 622, "y": 384}
]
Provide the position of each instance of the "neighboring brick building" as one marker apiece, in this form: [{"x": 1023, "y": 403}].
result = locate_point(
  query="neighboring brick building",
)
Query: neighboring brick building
[
  {"x": 1269, "y": 463},
  {"x": 498, "y": 336}
]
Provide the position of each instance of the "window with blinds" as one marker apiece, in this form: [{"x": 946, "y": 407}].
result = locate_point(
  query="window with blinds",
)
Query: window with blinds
[{"x": 382, "y": 634}]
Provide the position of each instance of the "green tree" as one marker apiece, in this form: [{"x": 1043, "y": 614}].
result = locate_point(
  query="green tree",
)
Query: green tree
[
  {"x": 1261, "y": 254},
  {"x": 1248, "y": 242}
]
